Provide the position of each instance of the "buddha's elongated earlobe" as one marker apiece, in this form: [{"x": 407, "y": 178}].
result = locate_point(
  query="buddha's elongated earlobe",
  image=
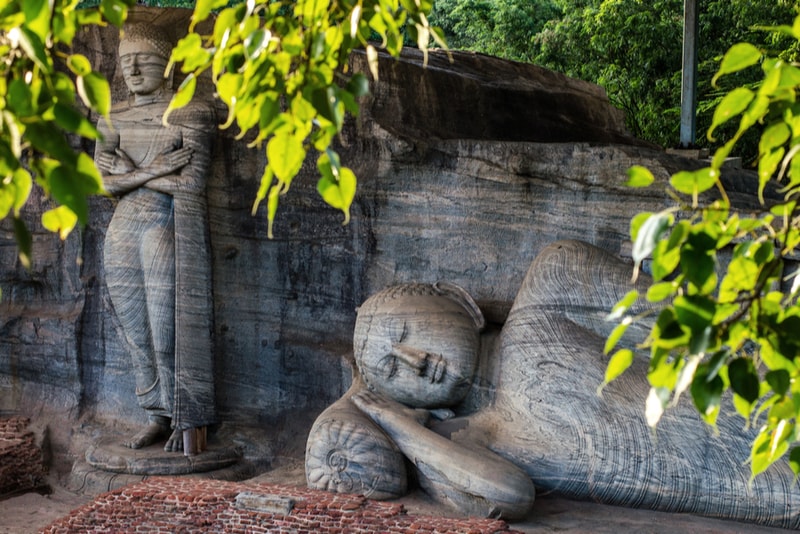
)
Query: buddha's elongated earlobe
[{"x": 460, "y": 295}]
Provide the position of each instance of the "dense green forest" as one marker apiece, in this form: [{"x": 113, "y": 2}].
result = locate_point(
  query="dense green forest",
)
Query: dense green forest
[{"x": 633, "y": 48}]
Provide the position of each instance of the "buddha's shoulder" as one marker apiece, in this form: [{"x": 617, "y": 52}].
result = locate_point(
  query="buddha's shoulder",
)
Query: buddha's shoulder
[{"x": 197, "y": 111}]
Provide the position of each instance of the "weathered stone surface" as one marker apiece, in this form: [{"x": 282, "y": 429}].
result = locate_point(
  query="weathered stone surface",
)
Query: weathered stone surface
[{"x": 434, "y": 203}]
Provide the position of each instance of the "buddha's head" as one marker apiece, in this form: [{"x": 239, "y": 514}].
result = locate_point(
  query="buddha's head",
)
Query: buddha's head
[
  {"x": 144, "y": 52},
  {"x": 419, "y": 343}
]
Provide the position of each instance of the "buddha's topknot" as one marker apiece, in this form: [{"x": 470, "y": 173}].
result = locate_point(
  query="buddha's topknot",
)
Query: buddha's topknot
[{"x": 149, "y": 33}]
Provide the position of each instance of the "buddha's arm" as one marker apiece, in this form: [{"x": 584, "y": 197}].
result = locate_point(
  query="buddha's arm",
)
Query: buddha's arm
[
  {"x": 476, "y": 480},
  {"x": 197, "y": 135}
]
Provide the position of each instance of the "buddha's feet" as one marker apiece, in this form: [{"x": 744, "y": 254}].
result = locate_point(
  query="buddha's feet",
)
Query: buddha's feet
[
  {"x": 147, "y": 436},
  {"x": 175, "y": 441}
]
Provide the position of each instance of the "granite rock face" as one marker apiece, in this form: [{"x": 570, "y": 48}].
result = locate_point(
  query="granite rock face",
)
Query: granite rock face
[{"x": 466, "y": 170}]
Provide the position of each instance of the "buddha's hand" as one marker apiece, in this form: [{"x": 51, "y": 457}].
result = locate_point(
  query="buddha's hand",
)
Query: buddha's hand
[
  {"x": 381, "y": 409},
  {"x": 117, "y": 163},
  {"x": 170, "y": 161}
]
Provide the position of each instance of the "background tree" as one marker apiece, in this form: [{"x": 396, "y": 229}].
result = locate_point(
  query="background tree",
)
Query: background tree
[
  {"x": 501, "y": 28},
  {"x": 633, "y": 49}
]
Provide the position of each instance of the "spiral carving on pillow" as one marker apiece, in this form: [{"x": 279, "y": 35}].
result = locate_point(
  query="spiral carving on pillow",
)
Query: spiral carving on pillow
[{"x": 350, "y": 456}]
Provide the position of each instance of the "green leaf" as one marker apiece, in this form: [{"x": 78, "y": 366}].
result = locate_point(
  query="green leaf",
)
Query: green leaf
[
  {"x": 660, "y": 291},
  {"x": 21, "y": 183},
  {"x": 738, "y": 57},
  {"x": 285, "y": 155},
  {"x": 50, "y": 141},
  {"x": 743, "y": 407},
  {"x": 95, "y": 92},
  {"x": 20, "y": 98},
  {"x": 73, "y": 121},
  {"x": 779, "y": 381},
  {"x": 339, "y": 193},
  {"x": 639, "y": 176},
  {"x": 623, "y": 305},
  {"x": 731, "y": 105},
  {"x": 695, "y": 311},
  {"x": 67, "y": 189},
  {"x": 79, "y": 64},
  {"x": 648, "y": 235},
  {"x": 24, "y": 242},
  {"x": 744, "y": 380},
  {"x": 37, "y": 17},
  {"x": 619, "y": 363},
  {"x": 616, "y": 335},
  {"x": 181, "y": 97},
  {"x": 114, "y": 11},
  {"x": 794, "y": 460},
  {"x": 699, "y": 268},
  {"x": 707, "y": 395},
  {"x": 263, "y": 188},
  {"x": 61, "y": 220},
  {"x": 694, "y": 182},
  {"x": 656, "y": 402},
  {"x": 358, "y": 85},
  {"x": 767, "y": 165},
  {"x": 774, "y": 135}
]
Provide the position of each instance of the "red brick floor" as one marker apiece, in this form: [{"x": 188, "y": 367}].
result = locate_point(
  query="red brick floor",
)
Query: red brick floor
[
  {"x": 181, "y": 505},
  {"x": 21, "y": 462}
]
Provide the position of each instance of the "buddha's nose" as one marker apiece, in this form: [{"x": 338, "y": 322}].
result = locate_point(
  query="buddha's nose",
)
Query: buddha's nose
[{"x": 425, "y": 363}]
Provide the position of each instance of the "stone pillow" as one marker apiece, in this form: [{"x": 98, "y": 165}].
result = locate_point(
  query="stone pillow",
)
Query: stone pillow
[{"x": 347, "y": 453}]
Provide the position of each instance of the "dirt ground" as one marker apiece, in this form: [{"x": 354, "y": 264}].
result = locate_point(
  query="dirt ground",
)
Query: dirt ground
[{"x": 30, "y": 512}]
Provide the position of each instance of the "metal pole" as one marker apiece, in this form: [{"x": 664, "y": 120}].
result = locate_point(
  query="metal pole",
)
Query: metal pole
[{"x": 689, "y": 75}]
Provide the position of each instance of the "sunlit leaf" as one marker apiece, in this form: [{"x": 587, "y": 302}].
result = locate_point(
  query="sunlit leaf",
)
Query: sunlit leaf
[
  {"x": 618, "y": 364},
  {"x": 37, "y": 17},
  {"x": 639, "y": 176},
  {"x": 731, "y": 105},
  {"x": 95, "y": 92},
  {"x": 79, "y": 64},
  {"x": 285, "y": 153},
  {"x": 616, "y": 335},
  {"x": 339, "y": 193},
  {"x": 115, "y": 11},
  {"x": 738, "y": 57},
  {"x": 648, "y": 235},
  {"x": 181, "y": 97},
  {"x": 623, "y": 305},
  {"x": 694, "y": 182},
  {"x": 660, "y": 291},
  {"x": 372, "y": 61},
  {"x": 61, "y": 220},
  {"x": 656, "y": 402}
]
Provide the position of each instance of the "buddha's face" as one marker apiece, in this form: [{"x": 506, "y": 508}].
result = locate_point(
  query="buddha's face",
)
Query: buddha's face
[
  {"x": 143, "y": 67},
  {"x": 420, "y": 350}
]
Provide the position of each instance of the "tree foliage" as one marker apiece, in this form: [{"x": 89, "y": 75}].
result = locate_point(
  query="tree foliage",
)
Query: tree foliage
[
  {"x": 279, "y": 65},
  {"x": 38, "y": 110},
  {"x": 730, "y": 328},
  {"x": 502, "y": 28},
  {"x": 281, "y": 68}
]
